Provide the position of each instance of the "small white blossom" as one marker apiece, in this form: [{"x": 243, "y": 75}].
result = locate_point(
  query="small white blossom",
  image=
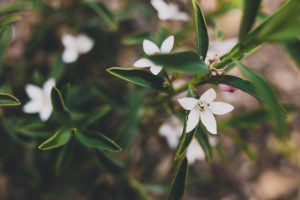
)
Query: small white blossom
[
  {"x": 168, "y": 11},
  {"x": 40, "y": 99},
  {"x": 75, "y": 45},
  {"x": 172, "y": 130},
  {"x": 151, "y": 48},
  {"x": 204, "y": 108}
]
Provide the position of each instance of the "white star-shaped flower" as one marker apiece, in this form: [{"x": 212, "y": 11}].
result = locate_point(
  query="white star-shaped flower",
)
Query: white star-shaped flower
[
  {"x": 204, "y": 108},
  {"x": 40, "y": 99},
  {"x": 150, "y": 48},
  {"x": 75, "y": 45},
  {"x": 172, "y": 130},
  {"x": 169, "y": 11}
]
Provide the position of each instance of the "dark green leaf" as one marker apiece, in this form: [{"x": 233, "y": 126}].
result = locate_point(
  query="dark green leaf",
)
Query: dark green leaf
[
  {"x": 8, "y": 100},
  {"x": 178, "y": 183},
  {"x": 236, "y": 82},
  {"x": 138, "y": 77},
  {"x": 22, "y": 5},
  {"x": 293, "y": 48},
  {"x": 283, "y": 25},
  {"x": 268, "y": 97},
  {"x": 250, "y": 10},
  {"x": 59, "y": 107},
  {"x": 201, "y": 30},
  {"x": 106, "y": 15},
  {"x": 5, "y": 36},
  {"x": 98, "y": 141},
  {"x": 184, "y": 61},
  {"x": 63, "y": 159},
  {"x": 202, "y": 137},
  {"x": 60, "y": 138},
  {"x": 243, "y": 145},
  {"x": 135, "y": 38}
]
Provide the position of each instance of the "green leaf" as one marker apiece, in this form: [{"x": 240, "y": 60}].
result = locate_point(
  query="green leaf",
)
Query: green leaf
[
  {"x": 59, "y": 107},
  {"x": 243, "y": 145},
  {"x": 138, "y": 77},
  {"x": 184, "y": 61},
  {"x": 98, "y": 141},
  {"x": 293, "y": 49},
  {"x": 250, "y": 10},
  {"x": 22, "y": 5},
  {"x": 283, "y": 25},
  {"x": 185, "y": 141},
  {"x": 178, "y": 183},
  {"x": 202, "y": 137},
  {"x": 8, "y": 100},
  {"x": 8, "y": 20},
  {"x": 268, "y": 97},
  {"x": 63, "y": 159},
  {"x": 5, "y": 36},
  {"x": 201, "y": 30},
  {"x": 60, "y": 138},
  {"x": 135, "y": 38},
  {"x": 236, "y": 82},
  {"x": 106, "y": 15}
]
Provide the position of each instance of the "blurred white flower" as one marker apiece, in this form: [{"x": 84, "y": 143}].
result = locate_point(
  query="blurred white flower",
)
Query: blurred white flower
[
  {"x": 168, "y": 11},
  {"x": 204, "y": 108},
  {"x": 40, "y": 99},
  {"x": 75, "y": 45},
  {"x": 151, "y": 48},
  {"x": 172, "y": 130}
]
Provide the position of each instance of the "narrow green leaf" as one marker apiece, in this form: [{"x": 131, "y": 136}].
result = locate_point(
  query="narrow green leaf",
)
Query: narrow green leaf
[
  {"x": 283, "y": 25},
  {"x": 5, "y": 36},
  {"x": 293, "y": 48},
  {"x": 184, "y": 61},
  {"x": 102, "y": 11},
  {"x": 268, "y": 97},
  {"x": 63, "y": 159},
  {"x": 60, "y": 138},
  {"x": 135, "y": 38},
  {"x": 7, "y": 20},
  {"x": 250, "y": 10},
  {"x": 202, "y": 137},
  {"x": 95, "y": 115},
  {"x": 138, "y": 77},
  {"x": 185, "y": 141},
  {"x": 59, "y": 107},
  {"x": 8, "y": 100},
  {"x": 98, "y": 141},
  {"x": 201, "y": 30},
  {"x": 178, "y": 183},
  {"x": 243, "y": 145},
  {"x": 23, "y": 5},
  {"x": 236, "y": 82}
]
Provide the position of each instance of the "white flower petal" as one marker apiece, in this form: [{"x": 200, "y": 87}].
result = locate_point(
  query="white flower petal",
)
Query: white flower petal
[
  {"x": 143, "y": 62},
  {"x": 188, "y": 103},
  {"x": 48, "y": 85},
  {"x": 150, "y": 48},
  {"x": 84, "y": 43},
  {"x": 220, "y": 108},
  {"x": 167, "y": 45},
  {"x": 208, "y": 96},
  {"x": 209, "y": 121},
  {"x": 193, "y": 120},
  {"x": 182, "y": 16},
  {"x": 171, "y": 130},
  {"x": 46, "y": 112},
  {"x": 194, "y": 152},
  {"x": 32, "y": 107},
  {"x": 155, "y": 69},
  {"x": 70, "y": 55},
  {"x": 34, "y": 92},
  {"x": 160, "y": 6},
  {"x": 69, "y": 41}
]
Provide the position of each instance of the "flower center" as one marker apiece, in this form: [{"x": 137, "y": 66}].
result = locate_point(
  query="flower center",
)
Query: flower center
[{"x": 201, "y": 106}]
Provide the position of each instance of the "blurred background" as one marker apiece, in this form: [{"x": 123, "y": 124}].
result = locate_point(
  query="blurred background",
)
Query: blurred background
[{"x": 249, "y": 163}]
